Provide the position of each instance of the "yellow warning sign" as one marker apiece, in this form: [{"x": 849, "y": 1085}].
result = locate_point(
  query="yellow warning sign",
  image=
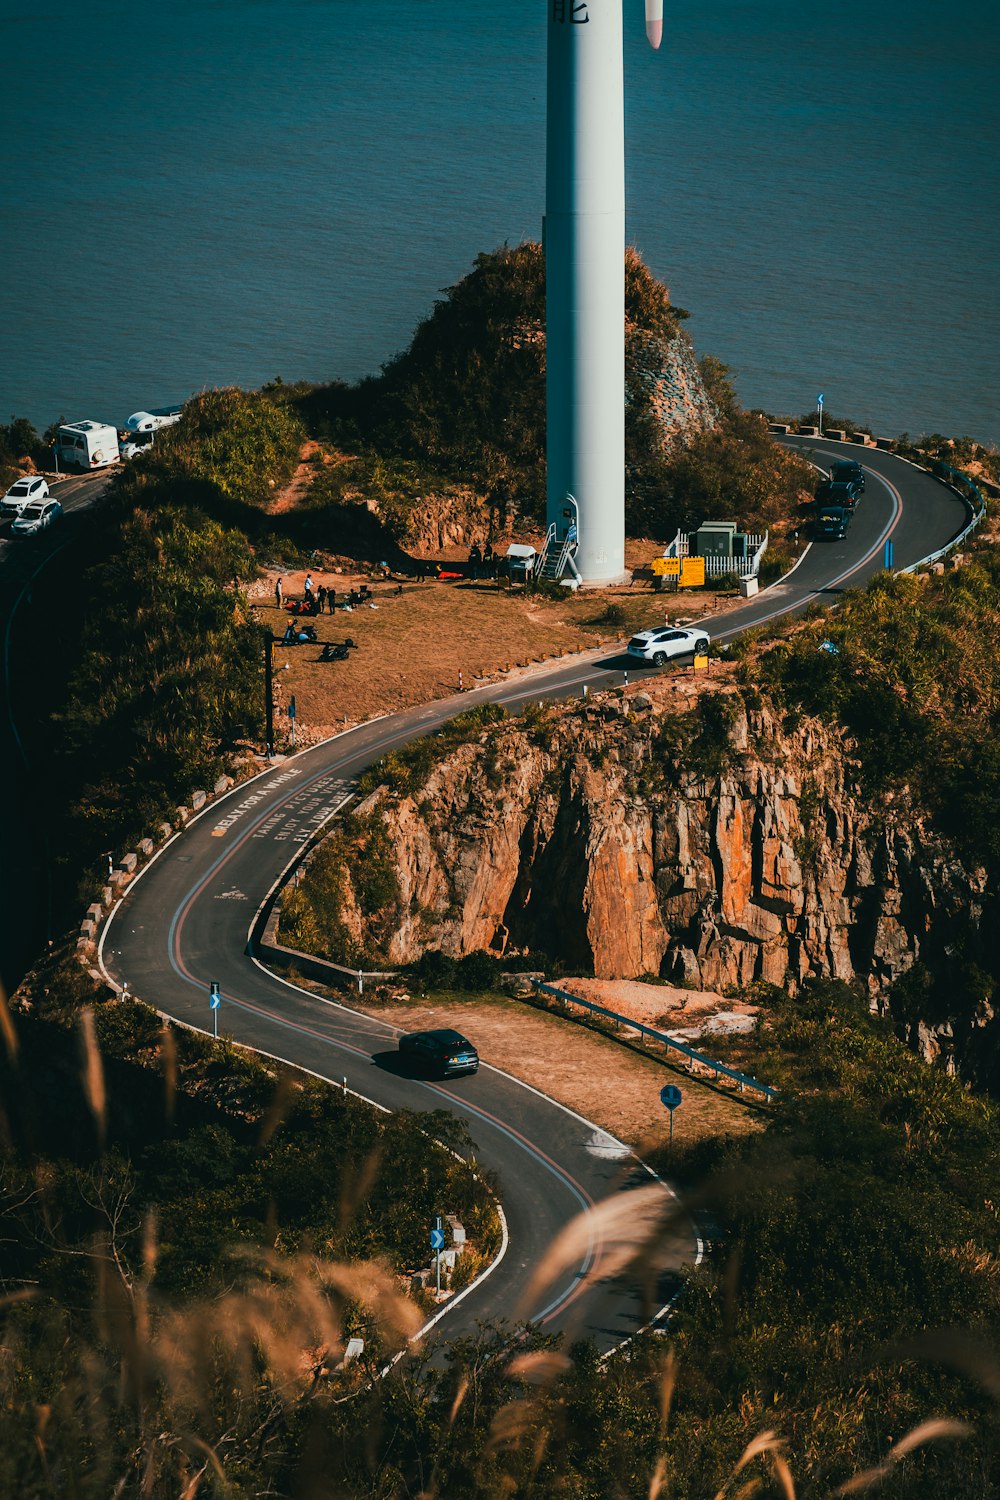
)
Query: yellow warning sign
[
  {"x": 665, "y": 567},
  {"x": 701, "y": 663},
  {"x": 692, "y": 573}
]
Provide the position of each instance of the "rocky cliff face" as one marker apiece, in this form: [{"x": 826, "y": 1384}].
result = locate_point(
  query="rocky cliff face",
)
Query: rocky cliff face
[
  {"x": 690, "y": 838},
  {"x": 663, "y": 374}
]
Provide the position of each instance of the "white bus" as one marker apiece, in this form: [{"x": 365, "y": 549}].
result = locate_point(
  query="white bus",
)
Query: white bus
[{"x": 86, "y": 445}]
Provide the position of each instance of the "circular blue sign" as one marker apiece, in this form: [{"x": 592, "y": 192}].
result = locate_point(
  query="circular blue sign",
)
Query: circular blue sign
[{"x": 670, "y": 1095}]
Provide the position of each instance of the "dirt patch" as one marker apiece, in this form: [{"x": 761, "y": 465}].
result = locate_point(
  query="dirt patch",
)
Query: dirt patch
[
  {"x": 685, "y": 1014},
  {"x": 616, "y": 1087},
  {"x": 293, "y": 492},
  {"x": 411, "y": 647}
]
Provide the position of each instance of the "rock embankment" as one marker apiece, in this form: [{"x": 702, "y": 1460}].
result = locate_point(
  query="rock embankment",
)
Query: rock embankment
[
  {"x": 711, "y": 846},
  {"x": 663, "y": 374}
]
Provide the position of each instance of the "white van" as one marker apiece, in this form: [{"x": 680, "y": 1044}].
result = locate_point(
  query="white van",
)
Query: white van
[{"x": 86, "y": 445}]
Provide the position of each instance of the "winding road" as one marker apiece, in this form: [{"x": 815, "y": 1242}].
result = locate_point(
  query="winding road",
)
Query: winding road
[{"x": 185, "y": 921}]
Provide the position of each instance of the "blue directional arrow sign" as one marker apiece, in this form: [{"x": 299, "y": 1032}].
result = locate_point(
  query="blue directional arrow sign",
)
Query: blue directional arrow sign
[
  {"x": 437, "y": 1239},
  {"x": 214, "y": 998}
]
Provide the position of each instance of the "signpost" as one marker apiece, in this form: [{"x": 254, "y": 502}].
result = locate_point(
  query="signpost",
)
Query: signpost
[
  {"x": 819, "y": 408},
  {"x": 214, "y": 1002},
  {"x": 291, "y": 715},
  {"x": 437, "y": 1245},
  {"x": 692, "y": 573},
  {"x": 887, "y": 564},
  {"x": 670, "y": 1097}
]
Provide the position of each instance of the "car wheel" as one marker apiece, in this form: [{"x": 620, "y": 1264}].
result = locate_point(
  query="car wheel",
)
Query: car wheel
[
  {"x": 702, "y": 645},
  {"x": 659, "y": 659}
]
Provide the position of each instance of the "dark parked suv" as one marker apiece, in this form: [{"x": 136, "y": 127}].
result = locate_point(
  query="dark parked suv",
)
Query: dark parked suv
[
  {"x": 838, "y": 492},
  {"x": 832, "y": 523},
  {"x": 846, "y": 469}
]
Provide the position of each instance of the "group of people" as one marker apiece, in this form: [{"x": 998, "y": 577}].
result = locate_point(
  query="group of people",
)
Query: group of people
[
  {"x": 313, "y": 600},
  {"x": 483, "y": 562}
]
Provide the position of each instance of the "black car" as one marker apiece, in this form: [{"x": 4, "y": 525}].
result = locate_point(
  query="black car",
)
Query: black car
[
  {"x": 444, "y": 1051},
  {"x": 838, "y": 492},
  {"x": 832, "y": 523},
  {"x": 846, "y": 469}
]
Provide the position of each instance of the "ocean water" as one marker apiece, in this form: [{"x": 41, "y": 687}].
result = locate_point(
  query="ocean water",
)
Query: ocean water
[{"x": 217, "y": 192}]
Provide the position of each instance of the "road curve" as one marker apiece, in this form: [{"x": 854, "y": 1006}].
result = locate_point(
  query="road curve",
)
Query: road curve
[{"x": 184, "y": 923}]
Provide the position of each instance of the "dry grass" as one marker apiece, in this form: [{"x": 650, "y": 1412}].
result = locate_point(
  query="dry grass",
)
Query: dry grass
[
  {"x": 613, "y": 1085},
  {"x": 411, "y": 648}
]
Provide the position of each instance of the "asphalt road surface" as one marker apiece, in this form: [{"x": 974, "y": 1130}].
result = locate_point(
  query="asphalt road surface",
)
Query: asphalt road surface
[{"x": 185, "y": 923}]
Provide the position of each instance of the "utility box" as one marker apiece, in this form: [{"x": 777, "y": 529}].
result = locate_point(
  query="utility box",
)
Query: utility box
[
  {"x": 457, "y": 1230},
  {"x": 717, "y": 539}
]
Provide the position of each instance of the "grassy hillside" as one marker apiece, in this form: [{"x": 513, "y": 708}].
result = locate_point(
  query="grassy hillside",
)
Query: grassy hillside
[
  {"x": 139, "y": 666},
  {"x": 190, "y": 1238}
]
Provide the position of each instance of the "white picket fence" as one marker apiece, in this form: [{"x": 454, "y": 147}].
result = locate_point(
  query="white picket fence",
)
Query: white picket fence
[{"x": 717, "y": 567}]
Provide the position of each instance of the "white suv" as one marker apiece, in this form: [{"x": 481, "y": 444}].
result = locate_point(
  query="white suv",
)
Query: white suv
[
  {"x": 657, "y": 645},
  {"x": 22, "y": 492}
]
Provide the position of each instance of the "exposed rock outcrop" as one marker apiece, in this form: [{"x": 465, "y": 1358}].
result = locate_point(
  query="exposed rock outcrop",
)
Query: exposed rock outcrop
[
  {"x": 629, "y": 843},
  {"x": 663, "y": 374}
]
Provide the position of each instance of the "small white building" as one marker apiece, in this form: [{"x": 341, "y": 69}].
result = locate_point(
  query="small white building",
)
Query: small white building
[{"x": 521, "y": 561}]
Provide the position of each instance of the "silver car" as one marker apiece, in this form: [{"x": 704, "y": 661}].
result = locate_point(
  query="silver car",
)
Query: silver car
[
  {"x": 658, "y": 645},
  {"x": 36, "y": 517}
]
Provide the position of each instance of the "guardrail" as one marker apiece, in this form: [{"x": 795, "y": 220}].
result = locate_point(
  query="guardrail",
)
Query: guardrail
[
  {"x": 969, "y": 492},
  {"x": 719, "y": 1069}
]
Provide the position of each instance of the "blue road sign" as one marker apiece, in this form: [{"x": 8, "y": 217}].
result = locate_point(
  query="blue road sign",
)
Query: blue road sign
[
  {"x": 291, "y": 707},
  {"x": 670, "y": 1095},
  {"x": 820, "y": 399},
  {"x": 214, "y": 998},
  {"x": 437, "y": 1239},
  {"x": 888, "y": 553}
]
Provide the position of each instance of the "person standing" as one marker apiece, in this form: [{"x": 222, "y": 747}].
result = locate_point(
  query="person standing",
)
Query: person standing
[
  {"x": 277, "y": 594},
  {"x": 320, "y": 599},
  {"x": 307, "y": 587},
  {"x": 331, "y": 599}
]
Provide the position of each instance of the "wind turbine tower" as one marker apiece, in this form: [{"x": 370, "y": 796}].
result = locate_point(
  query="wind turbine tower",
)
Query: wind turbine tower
[{"x": 585, "y": 279}]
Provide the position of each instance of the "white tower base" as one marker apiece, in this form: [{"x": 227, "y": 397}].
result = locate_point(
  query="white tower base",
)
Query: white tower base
[{"x": 585, "y": 282}]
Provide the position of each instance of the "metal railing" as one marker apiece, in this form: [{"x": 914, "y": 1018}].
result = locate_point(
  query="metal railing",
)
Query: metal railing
[
  {"x": 547, "y": 547},
  {"x": 719, "y": 1069},
  {"x": 969, "y": 492}
]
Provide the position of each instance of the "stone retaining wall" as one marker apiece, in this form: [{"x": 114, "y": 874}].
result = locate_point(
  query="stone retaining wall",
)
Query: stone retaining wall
[{"x": 130, "y": 863}]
